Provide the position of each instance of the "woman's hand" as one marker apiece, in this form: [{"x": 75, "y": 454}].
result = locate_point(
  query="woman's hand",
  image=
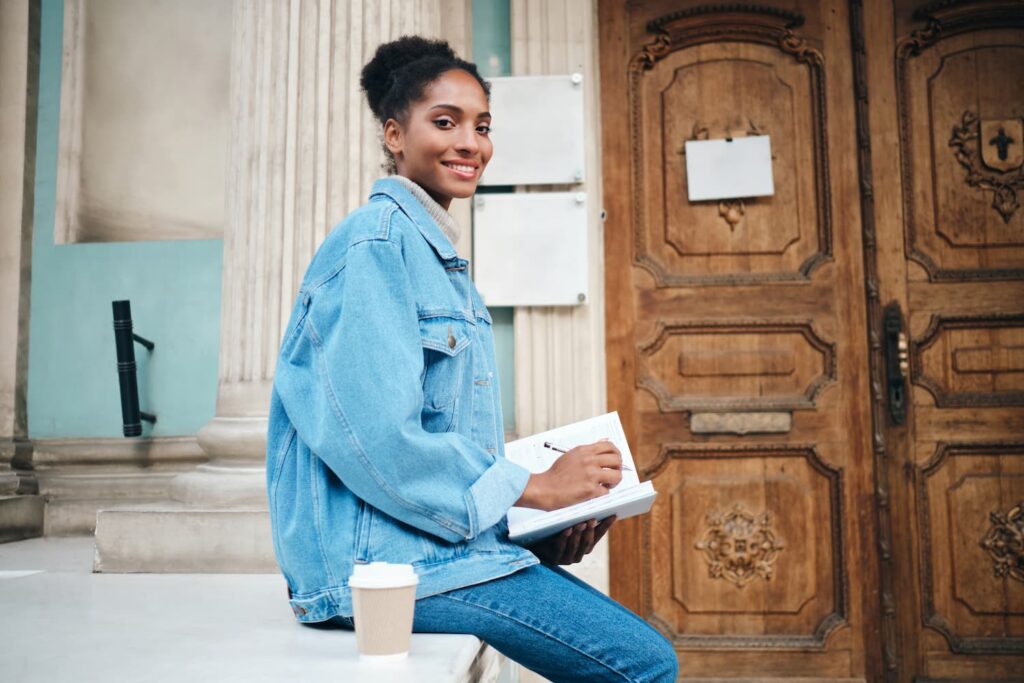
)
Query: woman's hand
[
  {"x": 573, "y": 544},
  {"x": 583, "y": 473}
]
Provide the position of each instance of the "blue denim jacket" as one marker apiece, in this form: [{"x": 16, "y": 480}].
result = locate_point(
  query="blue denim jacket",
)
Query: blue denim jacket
[{"x": 385, "y": 438}]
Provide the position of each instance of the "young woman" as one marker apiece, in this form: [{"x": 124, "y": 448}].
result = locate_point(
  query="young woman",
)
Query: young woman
[{"x": 385, "y": 439}]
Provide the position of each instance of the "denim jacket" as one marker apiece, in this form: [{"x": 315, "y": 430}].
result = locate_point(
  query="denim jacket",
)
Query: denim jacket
[{"x": 385, "y": 438}]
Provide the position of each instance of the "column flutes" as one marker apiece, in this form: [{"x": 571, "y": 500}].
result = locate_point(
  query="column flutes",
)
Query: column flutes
[{"x": 304, "y": 152}]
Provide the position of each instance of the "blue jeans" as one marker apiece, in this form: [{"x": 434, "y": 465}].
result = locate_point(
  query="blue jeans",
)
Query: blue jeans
[{"x": 554, "y": 624}]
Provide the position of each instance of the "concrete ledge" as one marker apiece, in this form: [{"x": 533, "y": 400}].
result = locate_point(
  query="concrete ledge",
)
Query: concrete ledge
[
  {"x": 20, "y": 517},
  {"x": 213, "y": 627},
  {"x": 175, "y": 538}
]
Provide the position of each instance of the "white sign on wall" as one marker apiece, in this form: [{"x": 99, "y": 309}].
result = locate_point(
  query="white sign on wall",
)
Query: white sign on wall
[
  {"x": 537, "y": 130},
  {"x": 530, "y": 249},
  {"x": 728, "y": 169}
]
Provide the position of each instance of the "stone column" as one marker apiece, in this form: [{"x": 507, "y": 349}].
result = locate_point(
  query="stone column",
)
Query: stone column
[
  {"x": 304, "y": 152},
  {"x": 559, "y": 350},
  {"x": 294, "y": 172},
  {"x": 21, "y": 516}
]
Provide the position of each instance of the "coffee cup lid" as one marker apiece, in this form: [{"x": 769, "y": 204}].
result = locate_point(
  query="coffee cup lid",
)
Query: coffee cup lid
[{"x": 383, "y": 575}]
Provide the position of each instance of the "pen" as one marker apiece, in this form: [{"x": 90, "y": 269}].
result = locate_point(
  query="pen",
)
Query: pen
[{"x": 559, "y": 449}]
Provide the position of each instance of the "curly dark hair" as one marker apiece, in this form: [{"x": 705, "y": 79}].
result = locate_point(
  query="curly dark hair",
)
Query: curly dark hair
[{"x": 401, "y": 70}]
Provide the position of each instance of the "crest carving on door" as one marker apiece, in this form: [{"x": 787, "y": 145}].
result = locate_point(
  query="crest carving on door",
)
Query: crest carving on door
[{"x": 992, "y": 151}]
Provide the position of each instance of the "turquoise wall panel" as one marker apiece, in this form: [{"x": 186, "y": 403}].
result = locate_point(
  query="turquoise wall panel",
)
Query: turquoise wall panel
[
  {"x": 492, "y": 37},
  {"x": 175, "y": 292},
  {"x": 504, "y": 351}
]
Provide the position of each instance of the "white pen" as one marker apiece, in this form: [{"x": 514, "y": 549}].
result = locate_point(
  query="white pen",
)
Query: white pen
[{"x": 559, "y": 449}]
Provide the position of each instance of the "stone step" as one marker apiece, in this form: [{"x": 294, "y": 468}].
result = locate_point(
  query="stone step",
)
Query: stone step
[
  {"x": 20, "y": 517},
  {"x": 177, "y": 538}
]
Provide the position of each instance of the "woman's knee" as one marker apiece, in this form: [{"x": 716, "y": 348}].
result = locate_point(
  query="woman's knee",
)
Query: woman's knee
[{"x": 662, "y": 663}]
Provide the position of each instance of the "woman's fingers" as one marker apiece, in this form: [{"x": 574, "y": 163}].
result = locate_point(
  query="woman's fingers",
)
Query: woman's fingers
[
  {"x": 552, "y": 549},
  {"x": 603, "y": 528},
  {"x": 572, "y": 544},
  {"x": 610, "y": 478},
  {"x": 586, "y": 541},
  {"x": 603, "y": 453},
  {"x": 608, "y": 458},
  {"x": 560, "y": 543}
]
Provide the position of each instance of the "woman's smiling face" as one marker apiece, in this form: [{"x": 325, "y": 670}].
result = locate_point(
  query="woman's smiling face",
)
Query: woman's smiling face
[{"x": 444, "y": 143}]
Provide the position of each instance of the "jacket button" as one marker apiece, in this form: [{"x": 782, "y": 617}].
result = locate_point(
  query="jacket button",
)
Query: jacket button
[{"x": 451, "y": 338}]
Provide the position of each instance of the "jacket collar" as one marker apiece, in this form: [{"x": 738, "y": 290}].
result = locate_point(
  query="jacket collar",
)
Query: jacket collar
[{"x": 391, "y": 188}]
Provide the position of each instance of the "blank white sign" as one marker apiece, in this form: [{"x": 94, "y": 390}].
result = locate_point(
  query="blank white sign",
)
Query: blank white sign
[
  {"x": 537, "y": 130},
  {"x": 726, "y": 169},
  {"x": 530, "y": 249}
]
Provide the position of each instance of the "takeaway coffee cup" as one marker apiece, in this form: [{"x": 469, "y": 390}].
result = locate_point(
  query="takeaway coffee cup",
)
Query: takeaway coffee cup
[{"x": 383, "y": 599}]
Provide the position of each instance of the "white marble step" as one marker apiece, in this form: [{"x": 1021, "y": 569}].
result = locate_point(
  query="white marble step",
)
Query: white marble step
[{"x": 174, "y": 537}]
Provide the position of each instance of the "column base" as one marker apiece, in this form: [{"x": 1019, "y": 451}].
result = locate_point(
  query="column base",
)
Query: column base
[
  {"x": 216, "y": 520},
  {"x": 177, "y": 538},
  {"x": 78, "y": 477},
  {"x": 218, "y": 485},
  {"x": 9, "y": 483},
  {"x": 20, "y": 517}
]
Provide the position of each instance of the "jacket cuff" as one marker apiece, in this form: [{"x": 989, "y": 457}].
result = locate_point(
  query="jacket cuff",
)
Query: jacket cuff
[{"x": 490, "y": 496}]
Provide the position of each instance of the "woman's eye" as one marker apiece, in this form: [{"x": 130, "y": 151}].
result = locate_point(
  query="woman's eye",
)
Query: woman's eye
[
  {"x": 483, "y": 129},
  {"x": 444, "y": 124}
]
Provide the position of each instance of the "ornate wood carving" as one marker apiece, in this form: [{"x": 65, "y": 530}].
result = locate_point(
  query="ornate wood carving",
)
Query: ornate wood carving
[
  {"x": 930, "y": 616},
  {"x": 947, "y": 19},
  {"x": 740, "y": 546},
  {"x": 1005, "y": 542},
  {"x": 876, "y": 359},
  {"x": 838, "y": 614},
  {"x": 970, "y": 147},
  {"x": 731, "y": 23},
  {"x": 804, "y": 397},
  {"x": 787, "y": 18},
  {"x": 732, "y": 211},
  {"x": 946, "y": 396}
]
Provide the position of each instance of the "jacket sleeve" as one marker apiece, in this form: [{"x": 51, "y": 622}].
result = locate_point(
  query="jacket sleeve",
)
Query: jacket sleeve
[{"x": 349, "y": 377}]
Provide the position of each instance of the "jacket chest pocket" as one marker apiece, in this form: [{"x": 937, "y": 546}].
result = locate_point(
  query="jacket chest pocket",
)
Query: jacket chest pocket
[{"x": 445, "y": 359}]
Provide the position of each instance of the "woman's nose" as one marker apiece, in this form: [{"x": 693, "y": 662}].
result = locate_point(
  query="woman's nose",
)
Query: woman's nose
[{"x": 466, "y": 141}]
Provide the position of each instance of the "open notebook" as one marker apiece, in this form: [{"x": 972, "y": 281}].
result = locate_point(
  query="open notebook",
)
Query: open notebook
[{"x": 629, "y": 498}]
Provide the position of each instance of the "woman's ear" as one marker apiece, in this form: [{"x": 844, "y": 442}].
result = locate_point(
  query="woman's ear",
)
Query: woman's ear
[{"x": 393, "y": 138}]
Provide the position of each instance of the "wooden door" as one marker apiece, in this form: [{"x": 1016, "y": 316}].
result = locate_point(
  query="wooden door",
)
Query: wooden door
[
  {"x": 737, "y": 339},
  {"x": 947, "y": 126}
]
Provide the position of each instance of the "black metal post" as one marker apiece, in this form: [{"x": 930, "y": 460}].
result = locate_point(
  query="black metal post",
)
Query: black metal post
[{"x": 124, "y": 340}]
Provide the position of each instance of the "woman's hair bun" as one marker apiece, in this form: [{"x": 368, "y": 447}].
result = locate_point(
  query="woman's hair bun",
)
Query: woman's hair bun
[{"x": 381, "y": 72}]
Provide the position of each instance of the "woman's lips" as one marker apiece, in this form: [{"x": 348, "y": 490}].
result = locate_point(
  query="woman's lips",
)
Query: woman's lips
[{"x": 464, "y": 171}]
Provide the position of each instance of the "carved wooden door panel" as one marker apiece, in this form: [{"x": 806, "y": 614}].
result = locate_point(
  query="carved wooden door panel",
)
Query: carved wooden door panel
[
  {"x": 737, "y": 342},
  {"x": 954, "y": 135}
]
